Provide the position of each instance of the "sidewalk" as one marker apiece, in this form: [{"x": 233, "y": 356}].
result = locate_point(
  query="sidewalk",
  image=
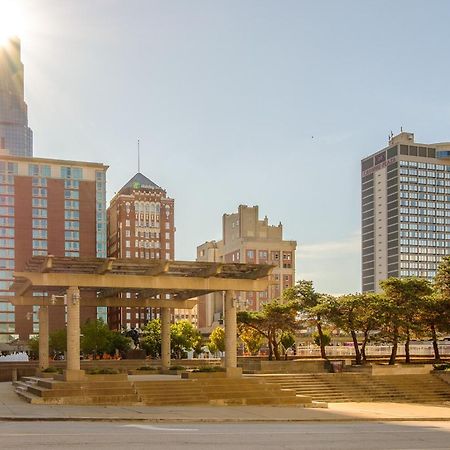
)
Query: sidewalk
[{"x": 13, "y": 408}]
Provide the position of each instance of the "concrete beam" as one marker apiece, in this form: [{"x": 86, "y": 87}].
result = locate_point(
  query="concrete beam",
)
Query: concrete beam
[
  {"x": 47, "y": 264},
  {"x": 143, "y": 282},
  {"x": 111, "y": 301},
  {"x": 107, "y": 266}
]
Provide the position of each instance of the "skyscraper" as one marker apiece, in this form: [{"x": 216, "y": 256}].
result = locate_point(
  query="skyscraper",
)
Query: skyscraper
[
  {"x": 15, "y": 135},
  {"x": 405, "y": 210},
  {"x": 140, "y": 226},
  {"x": 246, "y": 239}
]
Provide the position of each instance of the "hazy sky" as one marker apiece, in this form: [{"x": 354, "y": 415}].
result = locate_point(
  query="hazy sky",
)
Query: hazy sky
[{"x": 271, "y": 103}]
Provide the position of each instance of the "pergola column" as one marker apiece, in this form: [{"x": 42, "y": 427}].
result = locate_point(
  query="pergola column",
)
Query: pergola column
[
  {"x": 73, "y": 371},
  {"x": 165, "y": 338},
  {"x": 230, "y": 335},
  {"x": 43, "y": 337}
]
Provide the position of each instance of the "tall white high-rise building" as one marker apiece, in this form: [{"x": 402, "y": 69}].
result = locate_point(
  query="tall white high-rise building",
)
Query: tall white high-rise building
[{"x": 405, "y": 210}]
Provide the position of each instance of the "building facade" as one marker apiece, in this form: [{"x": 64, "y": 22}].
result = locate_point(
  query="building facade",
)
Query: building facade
[
  {"x": 140, "y": 226},
  {"x": 47, "y": 207},
  {"x": 405, "y": 210},
  {"x": 246, "y": 239},
  {"x": 15, "y": 135}
]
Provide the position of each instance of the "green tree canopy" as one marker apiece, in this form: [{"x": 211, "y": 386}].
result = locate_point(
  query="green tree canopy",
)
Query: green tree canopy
[
  {"x": 401, "y": 302},
  {"x": 216, "y": 341},
  {"x": 312, "y": 306},
  {"x": 274, "y": 318}
]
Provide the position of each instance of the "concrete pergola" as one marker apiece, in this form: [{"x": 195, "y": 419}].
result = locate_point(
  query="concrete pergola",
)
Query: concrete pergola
[{"x": 89, "y": 281}]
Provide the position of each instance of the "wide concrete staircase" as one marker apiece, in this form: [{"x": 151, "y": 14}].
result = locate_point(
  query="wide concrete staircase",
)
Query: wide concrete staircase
[
  {"x": 37, "y": 390},
  {"x": 218, "y": 391},
  {"x": 354, "y": 387},
  {"x": 213, "y": 391}
]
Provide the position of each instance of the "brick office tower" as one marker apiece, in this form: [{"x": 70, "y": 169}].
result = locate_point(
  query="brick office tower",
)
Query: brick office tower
[
  {"x": 140, "y": 225},
  {"x": 246, "y": 239},
  {"x": 15, "y": 135},
  {"x": 405, "y": 203},
  {"x": 47, "y": 207}
]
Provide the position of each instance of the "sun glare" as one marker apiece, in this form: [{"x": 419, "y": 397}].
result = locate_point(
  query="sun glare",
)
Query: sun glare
[{"x": 11, "y": 21}]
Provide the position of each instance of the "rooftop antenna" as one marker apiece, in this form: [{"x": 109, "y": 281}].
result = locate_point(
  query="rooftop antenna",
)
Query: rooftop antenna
[{"x": 139, "y": 157}]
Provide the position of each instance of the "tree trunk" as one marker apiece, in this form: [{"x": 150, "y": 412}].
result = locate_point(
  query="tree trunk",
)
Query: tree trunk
[
  {"x": 320, "y": 332},
  {"x": 437, "y": 356},
  {"x": 394, "y": 348},
  {"x": 355, "y": 344},
  {"x": 276, "y": 350},
  {"x": 407, "y": 354},
  {"x": 269, "y": 343},
  {"x": 363, "y": 348}
]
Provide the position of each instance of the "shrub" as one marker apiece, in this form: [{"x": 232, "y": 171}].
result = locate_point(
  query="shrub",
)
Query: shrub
[
  {"x": 209, "y": 369},
  {"x": 177, "y": 368},
  {"x": 443, "y": 366},
  {"x": 102, "y": 371},
  {"x": 50, "y": 369},
  {"x": 148, "y": 368}
]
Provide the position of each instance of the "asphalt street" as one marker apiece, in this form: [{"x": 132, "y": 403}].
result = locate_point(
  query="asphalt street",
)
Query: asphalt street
[{"x": 141, "y": 435}]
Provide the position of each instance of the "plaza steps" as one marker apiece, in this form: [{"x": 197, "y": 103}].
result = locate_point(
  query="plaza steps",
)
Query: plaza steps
[
  {"x": 362, "y": 387},
  {"x": 48, "y": 391},
  {"x": 218, "y": 391}
]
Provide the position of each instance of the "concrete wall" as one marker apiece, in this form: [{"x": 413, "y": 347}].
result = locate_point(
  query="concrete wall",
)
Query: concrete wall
[{"x": 258, "y": 365}]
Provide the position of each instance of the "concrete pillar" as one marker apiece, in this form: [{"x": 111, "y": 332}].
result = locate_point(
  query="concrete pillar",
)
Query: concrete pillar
[
  {"x": 43, "y": 337},
  {"x": 73, "y": 371},
  {"x": 165, "y": 338},
  {"x": 230, "y": 335}
]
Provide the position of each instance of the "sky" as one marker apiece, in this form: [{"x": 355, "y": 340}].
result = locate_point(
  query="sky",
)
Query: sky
[{"x": 256, "y": 102}]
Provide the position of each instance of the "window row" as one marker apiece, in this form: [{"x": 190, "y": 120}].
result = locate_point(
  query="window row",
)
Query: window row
[
  {"x": 424, "y": 242},
  {"x": 436, "y": 251},
  {"x": 422, "y": 165},
  {"x": 419, "y": 188}
]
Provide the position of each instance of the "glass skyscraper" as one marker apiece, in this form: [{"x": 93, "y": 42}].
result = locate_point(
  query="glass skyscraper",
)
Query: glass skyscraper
[{"x": 15, "y": 135}]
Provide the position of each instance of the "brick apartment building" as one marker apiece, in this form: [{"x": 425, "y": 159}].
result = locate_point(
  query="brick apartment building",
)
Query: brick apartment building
[
  {"x": 47, "y": 207},
  {"x": 140, "y": 225}
]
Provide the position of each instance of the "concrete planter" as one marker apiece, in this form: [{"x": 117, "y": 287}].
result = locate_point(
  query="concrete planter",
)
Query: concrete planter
[
  {"x": 195, "y": 375},
  {"x": 400, "y": 369}
]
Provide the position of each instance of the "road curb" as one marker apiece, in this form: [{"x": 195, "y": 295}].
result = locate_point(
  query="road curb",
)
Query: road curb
[{"x": 212, "y": 420}]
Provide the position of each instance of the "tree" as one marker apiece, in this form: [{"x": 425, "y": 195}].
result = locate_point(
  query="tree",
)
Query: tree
[
  {"x": 151, "y": 338},
  {"x": 183, "y": 337},
  {"x": 252, "y": 339},
  {"x": 313, "y": 306},
  {"x": 274, "y": 318},
  {"x": 216, "y": 341},
  {"x": 95, "y": 337},
  {"x": 57, "y": 341},
  {"x": 402, "y": 299},
  {"x": 119, "y": 342},
  {"x": 287, "y": 341},
  {"x": 355, "y": 313},
  {"x": 442, "y": 278},
  {"x": 434, "y": 315}
]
